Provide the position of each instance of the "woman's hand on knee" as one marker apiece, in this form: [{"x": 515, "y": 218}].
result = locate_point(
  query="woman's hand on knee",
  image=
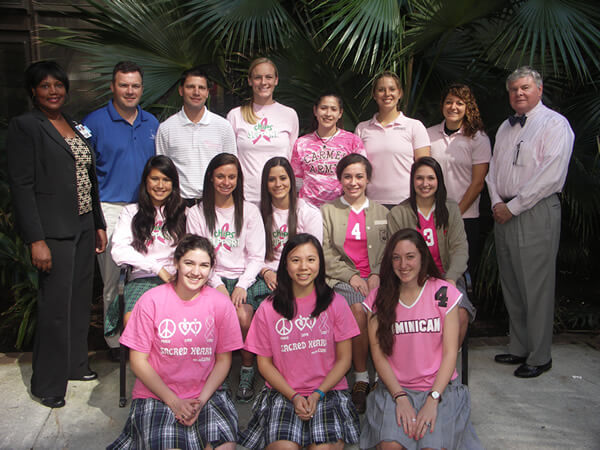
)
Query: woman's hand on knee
[
  {"x": 238, "y": 296},
  {"x": 359, "y": 285}
]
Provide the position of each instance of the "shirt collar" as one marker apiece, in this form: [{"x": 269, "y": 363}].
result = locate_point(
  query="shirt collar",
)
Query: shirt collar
[
  {"x": 397, "y": 121},
  {"x": 115, "y": 116},
  {"x": 365, "y": 205},
  {"x": 443, "y": 131},
  {"x": 205, "y": 120}
]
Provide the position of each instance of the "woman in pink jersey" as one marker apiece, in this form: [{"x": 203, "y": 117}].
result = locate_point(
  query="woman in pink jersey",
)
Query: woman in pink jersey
[
  {"x": 301, "y": 336},
  {"x": 146, "y": 235},
  {"x": 235, "y": 228},
  {"x": 393, "y": 142},
  {"x": 413, "y": 332},
  {"x": 354, "y": 236},
  {"x": 463, "y": 150},
  {"x": 181, "y": 335},
  {"x": 316, "y": 155},
  {"x": 263, "y": 128},
  {"x": 438, "y": 220},
  {"x": 283, "y": 214}
]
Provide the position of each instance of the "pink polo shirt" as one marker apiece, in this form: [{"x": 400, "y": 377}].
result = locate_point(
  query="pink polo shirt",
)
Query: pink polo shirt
[
  {"x": 391, "y": 150},
  {"x": 457, "y": 154}
]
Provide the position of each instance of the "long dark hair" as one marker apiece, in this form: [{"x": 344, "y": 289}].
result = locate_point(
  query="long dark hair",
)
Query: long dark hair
[
  {"x": 174, "y": 208},
  {"x": 441, "y": 211},
  {"x": 472, "y": 122},
  {"x": 284, "y": 301},
  {"x": 266, "y": 205},
  {"x": 389, "y": 288},
  {"x": 315, "y": 123},
  {"x": 208, "y": 196}
]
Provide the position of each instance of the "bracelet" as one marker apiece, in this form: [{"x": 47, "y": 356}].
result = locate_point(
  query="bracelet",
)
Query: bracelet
[
  {"x": 294, "y": 396},
  {"x": 399, "y": 394},
  {"x": 321, "y": 393}
]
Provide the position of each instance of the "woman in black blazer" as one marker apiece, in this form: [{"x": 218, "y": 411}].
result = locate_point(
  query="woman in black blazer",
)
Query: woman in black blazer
[{"x": 53, "y": 185}]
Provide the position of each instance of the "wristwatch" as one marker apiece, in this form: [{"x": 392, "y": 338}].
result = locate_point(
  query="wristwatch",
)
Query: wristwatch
[{"x": 435, "y": 395}]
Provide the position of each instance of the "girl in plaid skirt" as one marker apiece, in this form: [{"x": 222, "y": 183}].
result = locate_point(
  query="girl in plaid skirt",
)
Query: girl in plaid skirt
[
  {"x": 302, "y": 338},
  {"x": 181, "y": 336}
]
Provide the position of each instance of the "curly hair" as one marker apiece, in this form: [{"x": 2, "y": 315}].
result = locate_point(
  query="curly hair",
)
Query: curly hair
[{"x": 472, "y": 122}]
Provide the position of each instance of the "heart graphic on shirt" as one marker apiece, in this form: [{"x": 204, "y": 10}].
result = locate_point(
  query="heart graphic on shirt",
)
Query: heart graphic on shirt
[
  {"x": 302, "y": 322},
  {"x": 185, "y": 327}
]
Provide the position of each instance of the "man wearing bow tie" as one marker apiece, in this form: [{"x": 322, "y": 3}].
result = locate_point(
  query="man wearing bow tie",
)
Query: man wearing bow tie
[{"x": 527, "y": 172}]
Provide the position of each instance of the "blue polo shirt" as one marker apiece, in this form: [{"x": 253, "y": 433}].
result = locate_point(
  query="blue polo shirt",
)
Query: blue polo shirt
[{"x": 121, "y": 151}]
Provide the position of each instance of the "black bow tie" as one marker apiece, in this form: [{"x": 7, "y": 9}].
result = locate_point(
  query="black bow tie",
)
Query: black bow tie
[{"x": 513, "y": 120}]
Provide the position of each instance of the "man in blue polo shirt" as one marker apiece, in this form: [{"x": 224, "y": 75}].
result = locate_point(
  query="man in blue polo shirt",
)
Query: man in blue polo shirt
[{"x": 123, "y": 137}]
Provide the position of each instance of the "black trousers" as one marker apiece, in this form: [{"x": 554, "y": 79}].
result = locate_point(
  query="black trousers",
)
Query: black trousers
[{"x": 60, "y": 349}]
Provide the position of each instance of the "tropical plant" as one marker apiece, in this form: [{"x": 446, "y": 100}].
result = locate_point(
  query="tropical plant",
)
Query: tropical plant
[{"x": 340, "y": 45}]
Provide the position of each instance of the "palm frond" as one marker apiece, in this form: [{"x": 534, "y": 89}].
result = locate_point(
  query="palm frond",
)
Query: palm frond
[
  {"x": 561, "y": 36},
  {"x": 244, "y": 26}
]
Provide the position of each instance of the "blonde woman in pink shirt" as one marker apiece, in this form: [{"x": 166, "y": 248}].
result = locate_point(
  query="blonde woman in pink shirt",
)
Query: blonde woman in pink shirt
[
  {"x": 392, "y": 141},
  {"x": 283, "y": 214},
  {"x": 235, "y": 229},
  {"x": 316, "y": 155},
  {"x": 463, "y": 150},
  {"x": 263, "y": 128}
]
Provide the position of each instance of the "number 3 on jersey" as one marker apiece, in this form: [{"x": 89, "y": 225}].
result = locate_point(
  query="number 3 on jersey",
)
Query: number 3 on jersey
[
  {"x": 428, "y": 235},
  {"x": 356, "y": 231}
]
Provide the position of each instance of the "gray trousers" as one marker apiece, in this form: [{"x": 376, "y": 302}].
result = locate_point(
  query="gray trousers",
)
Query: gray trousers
[{"x": 526, "y": 247}]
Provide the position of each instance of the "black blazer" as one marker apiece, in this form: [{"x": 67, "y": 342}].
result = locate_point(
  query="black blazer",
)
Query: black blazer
[{"x": 41, "y": 174}]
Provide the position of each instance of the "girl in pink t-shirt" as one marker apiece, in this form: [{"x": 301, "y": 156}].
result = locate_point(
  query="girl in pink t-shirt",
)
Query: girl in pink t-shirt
[
  {"x": 181, "y": 336},
  {"x": 146, "y": 235},
  {"x": 463, "y": 150},
  {"x": 263, "y": 128},
  {"x": 354, "y": 236},
  {"x": 393, "y": 142},
  {"x": 316, "y": 155},
  {"x": 413, "y": 332},
  {"x": 235, "y": 228},
  {"x": 301, "y": 336},
  {"x": 283, "y": 214}
]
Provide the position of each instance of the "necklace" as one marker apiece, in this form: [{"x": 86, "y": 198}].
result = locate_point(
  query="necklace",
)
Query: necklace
[{"x": 325, "y": 141}]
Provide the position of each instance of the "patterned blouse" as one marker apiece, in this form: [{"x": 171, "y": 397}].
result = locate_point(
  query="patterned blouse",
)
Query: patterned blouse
[{"x": 83, "y": 162}]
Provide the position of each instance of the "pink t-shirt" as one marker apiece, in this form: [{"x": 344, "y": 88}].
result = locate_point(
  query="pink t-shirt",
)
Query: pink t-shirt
[
  {"x": 237, "y": 256},
  {"x": 303, "y": 349},
  {"x": 457, "y": 154},
  {"x": 429, "y": 233},
  {"x": 160, "y": 248},
  {"x": 309, "y": 220},
  {"x": 418, "y": 341},
  {"x": 181, "y": 337},
  {"x": 391, "y": 150},
  {"x": 355, "y": 244},
  {"x": 273, "y": 135},
  {"x": 315, "y": 160}
]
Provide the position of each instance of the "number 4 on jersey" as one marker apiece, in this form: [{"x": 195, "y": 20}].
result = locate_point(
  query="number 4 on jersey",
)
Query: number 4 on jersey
[
  {"x": 356, "y": 231},
  {"x": 442, "y": 297}
]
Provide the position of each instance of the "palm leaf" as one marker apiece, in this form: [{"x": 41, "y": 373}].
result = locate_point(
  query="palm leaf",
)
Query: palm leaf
[
  {"x": 244, "y": 26},
  {"x": 561, "y": 36}
]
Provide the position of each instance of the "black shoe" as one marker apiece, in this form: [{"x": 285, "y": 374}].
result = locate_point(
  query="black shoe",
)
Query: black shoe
[
  {"x": 527, "y": 371},
  {"x": 507, "y": 358},
  {"x": 91, "y": 375},
  {"x": 114, "y": 354},
  {"x": 53, "y": 402}
]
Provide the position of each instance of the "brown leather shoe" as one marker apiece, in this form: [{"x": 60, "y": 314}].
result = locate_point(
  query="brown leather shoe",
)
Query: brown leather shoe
[{"x": 359, "y": 396}]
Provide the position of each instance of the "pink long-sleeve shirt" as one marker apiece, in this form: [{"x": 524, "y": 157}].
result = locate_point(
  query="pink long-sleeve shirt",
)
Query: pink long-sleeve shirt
[{"x": 240, "y": 256}]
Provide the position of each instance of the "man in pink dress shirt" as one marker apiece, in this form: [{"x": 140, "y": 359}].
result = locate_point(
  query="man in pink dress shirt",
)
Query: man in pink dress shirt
[{"x": 527, "y": 172}]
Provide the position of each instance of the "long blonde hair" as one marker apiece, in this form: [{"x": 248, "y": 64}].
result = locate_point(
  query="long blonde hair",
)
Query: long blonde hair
[{"x": 247, "y": 111}]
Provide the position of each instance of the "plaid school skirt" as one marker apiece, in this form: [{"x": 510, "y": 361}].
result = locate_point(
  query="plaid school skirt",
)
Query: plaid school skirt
[
  {"x": 453, "y": 429},
  {"x": 348, "y": 292},
  {"x": 255, "y": 293},
  {"x": 152, "y": 425},
  {"x": 274, "y": 419},
  {"x": 131, "y": 294}
]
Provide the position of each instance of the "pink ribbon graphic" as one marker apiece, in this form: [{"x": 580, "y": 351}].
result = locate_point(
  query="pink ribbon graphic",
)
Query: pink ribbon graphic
[
  {"x": 263, "y": 124},
  {"x": 281, "y": 237},
  {"x": 223, "y": 238}
]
